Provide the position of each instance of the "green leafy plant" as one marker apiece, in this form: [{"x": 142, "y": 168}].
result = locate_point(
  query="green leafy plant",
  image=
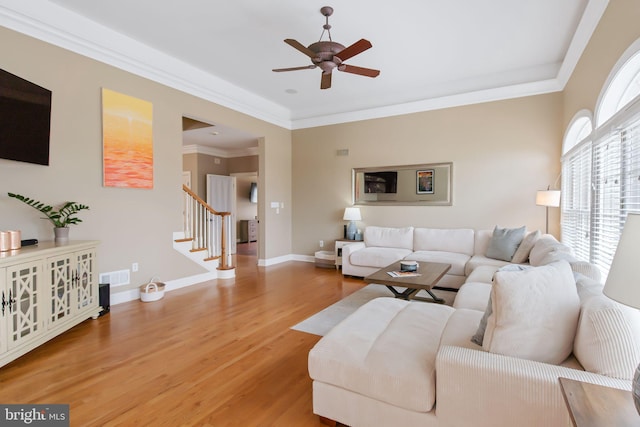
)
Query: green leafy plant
[{"x": 62, "y": 217}]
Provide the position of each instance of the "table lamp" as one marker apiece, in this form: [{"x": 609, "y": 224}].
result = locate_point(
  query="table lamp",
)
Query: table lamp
[
  {"x": 549, "y": 199},
  {"x": 352, "y": 215},
  {"x": 622, "y": 284}
]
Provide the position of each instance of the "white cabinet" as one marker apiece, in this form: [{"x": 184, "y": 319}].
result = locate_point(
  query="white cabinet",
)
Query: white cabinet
[
  {"x": 44, "y": 291},
  {"x": 338, "y": 250},
  {"x": 71, "y": 285},
  {"x": 248, "y": 230}
]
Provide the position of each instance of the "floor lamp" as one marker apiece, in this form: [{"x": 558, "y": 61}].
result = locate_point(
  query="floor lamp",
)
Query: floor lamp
[{"x": 549, "y": 199}]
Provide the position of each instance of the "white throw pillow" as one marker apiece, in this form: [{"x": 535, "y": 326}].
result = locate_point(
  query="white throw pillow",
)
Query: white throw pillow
[
  {"x": 608, "y": 338},
  {"x": 522, "y": 253},
  {"x": 535, "y": 313}
]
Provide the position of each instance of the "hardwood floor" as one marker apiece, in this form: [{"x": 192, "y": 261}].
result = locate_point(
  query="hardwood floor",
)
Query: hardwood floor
[{"x": 218, "y": 353}]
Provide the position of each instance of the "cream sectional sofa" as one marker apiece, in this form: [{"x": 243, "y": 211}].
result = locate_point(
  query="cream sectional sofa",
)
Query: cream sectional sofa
[
  {"x": 463, "y": 248},
  {"x": 400, "y": 363}
]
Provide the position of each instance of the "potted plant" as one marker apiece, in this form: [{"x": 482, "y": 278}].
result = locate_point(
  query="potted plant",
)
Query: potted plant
[{"x": 61, "y": 217}]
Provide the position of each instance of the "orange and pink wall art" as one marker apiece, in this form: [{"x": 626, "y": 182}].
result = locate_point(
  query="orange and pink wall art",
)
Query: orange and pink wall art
[{"x": 127, "y": 141}]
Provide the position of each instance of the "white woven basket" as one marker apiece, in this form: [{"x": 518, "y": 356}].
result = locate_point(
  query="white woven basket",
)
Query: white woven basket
[{"x": 152, "y": 291}]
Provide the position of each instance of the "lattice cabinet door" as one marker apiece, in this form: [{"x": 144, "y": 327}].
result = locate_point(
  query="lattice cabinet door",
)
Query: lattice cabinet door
[
  {"x": 87, "y": 277},
  {"x": 61, "y": 276},
  {"x": 23, "y": 307},
  {"x": 4, "y": 310}
]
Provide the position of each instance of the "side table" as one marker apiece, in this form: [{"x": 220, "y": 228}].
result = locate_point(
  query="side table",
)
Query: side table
[
  {"x": 592, "y": 405},
  {"x": 338, "y": 250}
]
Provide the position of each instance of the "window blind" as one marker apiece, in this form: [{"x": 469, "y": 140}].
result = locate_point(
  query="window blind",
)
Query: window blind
[
  {"x": 576, "y": 200},
  {"x": 616, "y": 188}
]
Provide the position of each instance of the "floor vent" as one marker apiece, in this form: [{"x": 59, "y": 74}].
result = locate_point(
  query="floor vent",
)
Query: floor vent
[{"x": 116, "y": 278}]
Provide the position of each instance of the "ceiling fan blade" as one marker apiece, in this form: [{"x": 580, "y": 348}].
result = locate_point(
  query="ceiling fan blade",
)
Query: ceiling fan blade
[
  {"x": 306, "y": 67},
  {"x": 302, "y": 48},
  {"x": 369, "y": 72},
  {"x": 356, "y": 48},
  {"x": 325, "y": 83}
]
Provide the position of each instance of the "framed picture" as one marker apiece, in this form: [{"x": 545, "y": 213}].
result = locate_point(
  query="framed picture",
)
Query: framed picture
[
  {"x": 424, "y": 181},
  {"x": 127, "y": 141}
]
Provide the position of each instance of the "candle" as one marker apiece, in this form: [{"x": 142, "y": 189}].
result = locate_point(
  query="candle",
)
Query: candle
[
  {"x": 15, "y": 239},
  {"x": 5, "y": 241}
]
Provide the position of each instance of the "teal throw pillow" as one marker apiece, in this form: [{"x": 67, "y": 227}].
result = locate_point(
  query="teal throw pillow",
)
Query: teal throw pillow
[{"x": 504, "y": 242}]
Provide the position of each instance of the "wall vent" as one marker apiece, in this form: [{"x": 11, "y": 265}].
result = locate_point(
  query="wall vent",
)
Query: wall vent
[{"x": 116, "y": 278}]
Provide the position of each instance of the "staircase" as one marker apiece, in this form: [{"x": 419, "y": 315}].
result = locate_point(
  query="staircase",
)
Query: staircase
[{"x": 206, "y": 235}]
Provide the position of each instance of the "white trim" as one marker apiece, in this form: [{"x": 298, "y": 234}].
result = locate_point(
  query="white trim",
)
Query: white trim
[
  {"x": 469, "y": 98},
  {"x": 218, "y": 152},
  {"x": 629, "y": 53},
  {"x": 584, "y": 113},
  {"x": 588, "y": 23},
  {"x": 273, "y": 261},
  {"x": 56, "y": 25},
  {"x": 134, "y": 294}
]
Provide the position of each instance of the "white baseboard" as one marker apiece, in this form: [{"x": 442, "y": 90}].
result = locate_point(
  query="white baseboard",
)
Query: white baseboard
[{"x": 171, "y": 285}]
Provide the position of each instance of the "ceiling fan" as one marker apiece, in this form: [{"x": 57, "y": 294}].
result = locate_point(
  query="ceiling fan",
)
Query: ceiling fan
[{"x": 329, "y": 55}]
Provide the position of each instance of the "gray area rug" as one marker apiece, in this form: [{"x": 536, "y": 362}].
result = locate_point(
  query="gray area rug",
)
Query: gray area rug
[{"x": 323, "y": 321}]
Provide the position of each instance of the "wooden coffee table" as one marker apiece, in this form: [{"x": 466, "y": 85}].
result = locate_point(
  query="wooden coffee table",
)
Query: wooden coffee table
[{"x": 429, "y": 274}]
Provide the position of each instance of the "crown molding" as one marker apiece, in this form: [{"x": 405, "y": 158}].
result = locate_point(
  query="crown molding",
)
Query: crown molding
[
  {"x": 58, "y": 26},
  {"x": 218, "y": 152}
]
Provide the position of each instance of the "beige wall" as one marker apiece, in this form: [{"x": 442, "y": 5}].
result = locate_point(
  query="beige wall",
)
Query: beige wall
[
  {"x": 618, "y": 29},
  {"x": 200, "y": 165},
  {"x": 502, "y": 152},
  {"x": 133, "y": 225}
]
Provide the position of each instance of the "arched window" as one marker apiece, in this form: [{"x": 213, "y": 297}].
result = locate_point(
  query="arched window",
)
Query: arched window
[
  {"x": 579, "y": 128},
  {"x": 601, "y": 166},
  {"x": 622, "y": 87},
  {"x": 576, "y": 184}
]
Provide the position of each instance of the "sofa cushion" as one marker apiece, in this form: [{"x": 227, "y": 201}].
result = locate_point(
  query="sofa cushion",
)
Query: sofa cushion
[
  {"x": 457, "y": 260},
  {"x": 460, "y": 326},
  {"x": 535, "y": 313},
  {"x": 388, "y": 237},
  {"x": 377, "y": 257},
  {"x": 504, "y": 242},
  {"x": 385, "y": 350},
  {"x": 522, "y": 253},
  {"x": 586, "y": 269},
  {"x": 481, "y": 260},
  {"x": 482, "y": 239},
  {"x": 478, "y": 337},
  {"x": 547, "y": 250},
  {"x": 460, "y": 240},
  {"x": 608, "y": 338},
  {"x": 483, "y": 274},
  {"x": 473, "y": 296}
]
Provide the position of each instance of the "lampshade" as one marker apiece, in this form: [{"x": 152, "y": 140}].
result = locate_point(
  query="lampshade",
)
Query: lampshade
[
  {"x": 352, "y": 214},
  {"x": 622, "y": 283},
  {"x": 549, "y": 198}
]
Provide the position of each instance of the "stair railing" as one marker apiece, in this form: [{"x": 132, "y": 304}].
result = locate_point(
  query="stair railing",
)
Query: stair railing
[{"x": 207, "y": 229}]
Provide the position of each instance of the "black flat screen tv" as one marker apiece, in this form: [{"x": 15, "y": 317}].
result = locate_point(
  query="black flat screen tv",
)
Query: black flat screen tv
[
  {"x": 380, "y": 182},
  {"x": 25, "y": 120}
]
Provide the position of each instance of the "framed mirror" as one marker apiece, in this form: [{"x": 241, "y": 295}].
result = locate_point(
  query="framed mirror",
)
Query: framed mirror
[{"x": 426, "y": 184}]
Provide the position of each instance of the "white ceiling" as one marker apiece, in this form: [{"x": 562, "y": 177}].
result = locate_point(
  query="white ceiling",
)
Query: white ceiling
[{"x": 432, "y": 54}]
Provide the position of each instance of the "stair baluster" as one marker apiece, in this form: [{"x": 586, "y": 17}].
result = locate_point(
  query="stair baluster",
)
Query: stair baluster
[{"x": 207, "y": 229}]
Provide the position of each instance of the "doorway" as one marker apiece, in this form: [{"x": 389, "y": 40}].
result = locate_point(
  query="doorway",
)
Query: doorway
[{"x": 216, "y": 149}]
